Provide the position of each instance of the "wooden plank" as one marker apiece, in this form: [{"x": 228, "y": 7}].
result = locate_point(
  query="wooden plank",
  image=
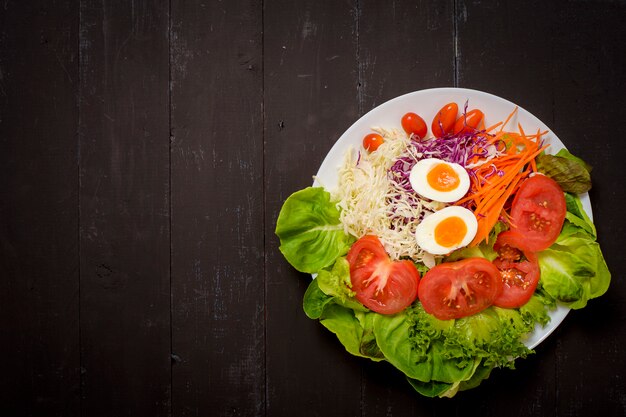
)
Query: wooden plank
[
  {"x": 217, "y": 209},
  {"x": 124, "y": 208},
  {"x": 38, "y": 208},
  {"x": 310, "y": 98},
  {"x": 589, "y": 72},
  {"x": 554, "y": 68},
  {"x": 396, "y": 58},
  {"x": 490, "y": 58},
  {"x": 511, "y": 56}
]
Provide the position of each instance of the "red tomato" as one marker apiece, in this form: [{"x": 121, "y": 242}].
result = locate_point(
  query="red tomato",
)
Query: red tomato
[
  {"x": 382, "y": 285},
  {"x": 372, "y": 141},
  {"x": 519, "y": 270},
  {"x": 443, "y": 123},
  {"x": 538, "y": 211},
  {"x": 458, "y": 289},
  {"x": 414, "y": 124},
  {"x": 469, "y": 121}
]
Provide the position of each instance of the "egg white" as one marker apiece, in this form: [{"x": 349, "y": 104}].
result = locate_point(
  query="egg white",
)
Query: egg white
[
  {"x": 420, "y": 184},
  {"x": 425, "y": 231}
]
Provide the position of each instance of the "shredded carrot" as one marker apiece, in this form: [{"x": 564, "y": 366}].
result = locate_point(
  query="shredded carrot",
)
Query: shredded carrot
[
  {"x": 508, "y": 119},
  {"x": 490, "y": 128},
  {"x": 493, "y": 183}
]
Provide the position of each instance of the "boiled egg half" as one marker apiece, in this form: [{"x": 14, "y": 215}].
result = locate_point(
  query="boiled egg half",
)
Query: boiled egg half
[
  {"x": 439, "y": 180},
  {"x": 446, "y": 230}
]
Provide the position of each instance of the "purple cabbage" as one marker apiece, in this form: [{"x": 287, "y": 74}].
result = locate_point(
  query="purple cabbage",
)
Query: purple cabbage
[{"x": 459, "y": 148}]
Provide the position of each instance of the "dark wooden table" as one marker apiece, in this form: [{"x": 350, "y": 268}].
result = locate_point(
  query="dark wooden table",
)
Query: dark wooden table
[{"x": 146, "y": 148}]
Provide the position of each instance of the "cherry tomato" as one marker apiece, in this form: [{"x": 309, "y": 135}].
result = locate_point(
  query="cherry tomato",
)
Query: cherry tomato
[
  {"x": 372, "y": 141},
  {"x": 519, "y": 270},
  {"x": 469, "y": 121},
  {"x": 382, "y": 285},
  {"x": 538, "y": 211},
  {"x": 414, "y": 124},
  {"x": 443, "y": 123},
  {"x": 459, "y": 289}
]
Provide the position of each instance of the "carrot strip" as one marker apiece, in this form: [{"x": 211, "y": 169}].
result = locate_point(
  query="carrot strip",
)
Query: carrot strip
[
  {"x": 490, "y": 128},
  {"x": 490, "y": 190},
  {"x": 508, "y": 118}
]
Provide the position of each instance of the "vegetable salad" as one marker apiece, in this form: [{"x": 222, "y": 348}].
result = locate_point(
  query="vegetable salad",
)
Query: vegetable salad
[{"x": 441, "y": 249}]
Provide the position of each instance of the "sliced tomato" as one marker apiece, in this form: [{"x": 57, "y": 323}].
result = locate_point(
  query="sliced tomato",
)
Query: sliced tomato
[
  {"x": 382, "y": 285},
  {"x": 469, "y": 121},
  {"x": 444, "y": 120},
  {"x": 413, "y": 124},
  {"x": 458, "y": 289},
  {"x": 538, "y": 211},
  {"x": 519, "y": 270}
]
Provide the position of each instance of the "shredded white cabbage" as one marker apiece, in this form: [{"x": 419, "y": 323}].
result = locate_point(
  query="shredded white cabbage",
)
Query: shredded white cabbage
[{"x": 373, "y": 204}]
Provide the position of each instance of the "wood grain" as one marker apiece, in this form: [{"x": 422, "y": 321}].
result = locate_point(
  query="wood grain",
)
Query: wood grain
[
  {"x": 124, "y": 208},
  {"x": 589, "y": 75},
  {"x": 146, "y": 149},
  {"x": 415, "y": 53},
  {"x": 39, "y": 209},
  {"x": 218, "y": 324},
  {"x": 489, "y": 59},
  {"x": 310, "y": 98},
  {"x": 561, "y": 70}
]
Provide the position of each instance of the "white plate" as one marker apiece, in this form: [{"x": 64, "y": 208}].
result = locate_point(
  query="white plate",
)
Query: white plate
[{"x": 426, "y": 103}]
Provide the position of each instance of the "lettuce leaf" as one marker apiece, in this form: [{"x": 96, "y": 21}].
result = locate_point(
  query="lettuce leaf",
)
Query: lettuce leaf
[
  {"x": 315, "y": 301},
  {"x": 571, "y": 172},
  {"x": 439, "y": 358},
  {"x": 311, "y": 235},
  {"x": 331, "y": 285},
  {"x": 573, "y": 269},
  {"x": 329, "y": 299},
  {"x": 576, "y": 214}
]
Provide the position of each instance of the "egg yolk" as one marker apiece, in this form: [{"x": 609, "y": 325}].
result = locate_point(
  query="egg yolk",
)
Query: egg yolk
[
  {"x": 450, "y": 231},
  {"x": 443, "y": 178}
]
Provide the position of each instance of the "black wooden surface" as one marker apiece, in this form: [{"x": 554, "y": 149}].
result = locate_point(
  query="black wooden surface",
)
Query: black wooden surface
[{"x": 146, "y": 148}]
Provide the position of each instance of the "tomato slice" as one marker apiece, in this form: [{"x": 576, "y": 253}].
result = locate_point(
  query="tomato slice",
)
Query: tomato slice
[
  {"x": 414, "y": 124},
  {"x": 469, "y": 121},
  {"x": 382, "y": 285},
  {"x": 519, "y": 270},
  {"x": 443, "y": 123},
  {"x": 458, "y": 289},
  {"x": 538, "y": 211}
]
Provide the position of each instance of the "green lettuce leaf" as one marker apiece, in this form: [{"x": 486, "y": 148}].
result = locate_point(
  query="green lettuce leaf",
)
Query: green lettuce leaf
[
  {"x": 573, "y": 269},
  {"x": 355, "y": 333},
  {"x": 576, "y": 214},
  {"x": 438, "y": 357},
  {"x": 342, "y": 322},
  {"x": 336, "y": 283},
  {"x": 369, "y": 346},
  {"x": 315, "y": 301},
  {"x": 311, "y": 235},
  {"x": 426, "y": 364},
  {"x": 481, "y": 373},
  {"x": 330, "y": 299},
  {"x": 433, "y": 388}
]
